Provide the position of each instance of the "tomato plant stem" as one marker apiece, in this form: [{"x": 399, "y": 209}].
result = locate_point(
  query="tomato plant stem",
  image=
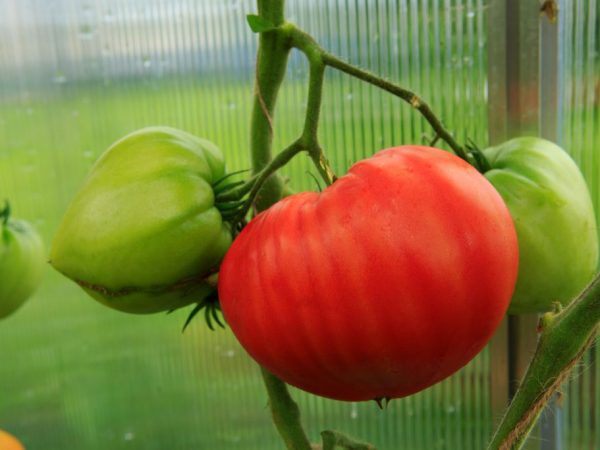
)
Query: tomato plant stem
[
  {"x": 564, "y": 337},
  {"x": 408, "y": 96},
  {"x": 305, "y": 43},
  {"x": 271, "y": 64},
  {"x": 285, "y": 413},
  {"x": 311, "y": 124},
  {"x": 257, "y": 183}
]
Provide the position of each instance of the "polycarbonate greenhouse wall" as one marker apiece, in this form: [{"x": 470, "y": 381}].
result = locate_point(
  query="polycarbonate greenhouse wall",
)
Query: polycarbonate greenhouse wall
[{"x": 75, "y": 75}]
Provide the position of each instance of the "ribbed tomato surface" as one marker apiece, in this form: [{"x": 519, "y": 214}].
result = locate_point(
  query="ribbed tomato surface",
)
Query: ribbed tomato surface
[{"x": 385, "y": 283}]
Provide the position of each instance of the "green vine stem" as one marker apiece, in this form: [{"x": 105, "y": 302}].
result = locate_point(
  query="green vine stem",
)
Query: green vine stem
[
  {"x": 271, "y": 64},
  {"x": 408, "y": 96},
  {"x": 564, "y": 338},
  {"x": 285, "y": 413},
  {"x": 305, "y": 43},
  {"x": 290, "y": 36}
]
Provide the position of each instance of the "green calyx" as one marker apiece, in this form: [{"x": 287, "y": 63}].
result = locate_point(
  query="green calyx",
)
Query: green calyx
[{"x": 144, "y": 233}]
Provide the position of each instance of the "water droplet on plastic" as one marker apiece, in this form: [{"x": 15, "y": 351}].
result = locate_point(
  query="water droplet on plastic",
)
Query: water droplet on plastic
[
  {"x": 109, "y": 16},
  {"x": 59, "y": 78},
  {"x": 470, "y": 14},
  {"x": 129, "y": 436},
  {"x": 88, "y": 154},
  {"x": 75, "y": 113},
  {"x": 232, "y": 105},
  {"x": 353, "y": 411},
  {"x": 229, "y": 353},
  {"x": 450, "y": 409},
  {"x": 147, "y": 62},
  {"x": 349, "y": 96}
]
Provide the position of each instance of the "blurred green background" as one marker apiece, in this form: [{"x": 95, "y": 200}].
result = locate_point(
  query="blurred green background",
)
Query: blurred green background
[{"x": 77, "y": 75}]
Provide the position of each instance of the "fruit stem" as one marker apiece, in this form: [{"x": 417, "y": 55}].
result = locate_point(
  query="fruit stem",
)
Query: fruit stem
[
  {"x": 564, "y": 338},
  {"x": 311, "y": 123}
]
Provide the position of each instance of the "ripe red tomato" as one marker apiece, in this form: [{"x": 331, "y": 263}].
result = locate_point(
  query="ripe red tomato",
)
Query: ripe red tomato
[{"x": 385, "y": 283}]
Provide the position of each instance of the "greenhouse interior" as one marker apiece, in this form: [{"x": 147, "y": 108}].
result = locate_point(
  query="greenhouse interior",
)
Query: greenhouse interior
[{"x": 301, "y": 224}]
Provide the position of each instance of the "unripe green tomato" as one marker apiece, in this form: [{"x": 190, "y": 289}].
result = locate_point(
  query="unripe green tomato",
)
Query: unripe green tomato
[
  {"x": 22, "y": 259},
  {"x": 549, "y": 202},
  {"x": 143, "y": 232}
]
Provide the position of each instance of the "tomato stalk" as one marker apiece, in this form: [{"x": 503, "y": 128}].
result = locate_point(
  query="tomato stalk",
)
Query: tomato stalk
[
  {"x": 308, "y": 141},
  {"x": 271, "y": 64},
  {"x": 564, "y": 338},
  {"x": 305, "y": 43}
]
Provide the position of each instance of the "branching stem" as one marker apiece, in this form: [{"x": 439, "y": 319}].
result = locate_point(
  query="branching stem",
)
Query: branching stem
[
  {"x": 564, "y": 338},
  {"x": 290, "y": 36},
  {"x": 305, "y": 43},
  {"x": 271, "y": 65}
]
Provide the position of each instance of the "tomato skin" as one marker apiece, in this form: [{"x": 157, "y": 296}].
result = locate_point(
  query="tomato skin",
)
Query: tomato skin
[
  {"x": 143, "y": 232},
  {"x": 550, "y": 204},
  {"x": 385, "y": 283},
  {"x": 22, "y": 259}
]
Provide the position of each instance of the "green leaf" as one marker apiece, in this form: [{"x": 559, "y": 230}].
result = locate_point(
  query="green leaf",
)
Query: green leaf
[{"x": 259, "y": 24}]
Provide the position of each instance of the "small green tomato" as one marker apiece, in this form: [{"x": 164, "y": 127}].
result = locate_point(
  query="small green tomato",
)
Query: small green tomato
[
  {"x": 22, "y": 259},
  {"x": 143, "y": 233}
]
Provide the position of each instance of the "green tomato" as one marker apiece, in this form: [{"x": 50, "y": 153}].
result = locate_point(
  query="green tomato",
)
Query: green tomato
[
  {"x": 22, "y": 259},
  {"x": 553, "y": 214},
  {"x": 143, "y": 233}
]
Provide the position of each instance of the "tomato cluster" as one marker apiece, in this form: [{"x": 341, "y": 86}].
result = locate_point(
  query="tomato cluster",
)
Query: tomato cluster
[{"x": 388, "y": 281}]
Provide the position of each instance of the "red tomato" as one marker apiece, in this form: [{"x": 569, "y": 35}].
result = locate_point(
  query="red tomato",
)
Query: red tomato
[{"x": 385, "y": 283}]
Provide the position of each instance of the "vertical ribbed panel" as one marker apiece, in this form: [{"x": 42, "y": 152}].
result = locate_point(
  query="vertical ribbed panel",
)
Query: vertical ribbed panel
[
  {"x": 580, "y": 50},
  {"x": 76, "y": 75}
]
